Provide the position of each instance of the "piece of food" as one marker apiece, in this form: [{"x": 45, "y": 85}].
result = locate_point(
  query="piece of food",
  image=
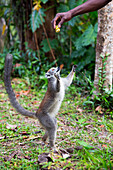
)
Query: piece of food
[{"x": 57, "y": 29}]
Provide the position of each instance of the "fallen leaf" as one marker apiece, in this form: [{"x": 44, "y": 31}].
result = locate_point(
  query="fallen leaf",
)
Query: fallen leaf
[
  {"x": 27, "y": 157},
  {"x": 24, "y": 133},
  {"x": 104, "y": 146},
  {"x": 44, "y": 157},
  {"x": 17, "y": 65},
  {"x": 3, "y": 116},
  {"x": 17, "y": 95},
  {"x": 11, "y": 109},
  {"x": 79, "y": 110},
  {"x": 70, "y": 150},
  {"x": 12, "y": 127},
  {"x": 99, "y": 109},
  {"x": 101, "y": 126},
  {"x": 25, "y": 137},
  {"x": 2, "y": 137},
  {"x": 32, "y": 137},
  {"x": 3, "y": 120},
  {"x": 60, "y": 129},
  {"x": 37, "y": 132},
  {"x": 2, "y": 95},
  {"x": 65, "y": 155},
  {"x": 24, "y": 92},
  {"x": 79, "y": 148},
  {"x": 35, "y": 102},
  {"x": 11, "y": 156}
]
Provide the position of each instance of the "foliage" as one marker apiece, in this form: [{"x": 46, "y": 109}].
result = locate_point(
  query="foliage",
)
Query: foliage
[
  {"x": 76, "y": 38},
  {"x": 45, "y": 45},
  {"x": 14, "y": 51},
  {"x": 87, "y": 38},
  {"x": 36, "y": 19},
  {"x": 27, "y": 65}
]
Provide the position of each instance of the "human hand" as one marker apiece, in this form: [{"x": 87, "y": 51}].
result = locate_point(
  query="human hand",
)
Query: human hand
[{"x": 64, "y": 17}]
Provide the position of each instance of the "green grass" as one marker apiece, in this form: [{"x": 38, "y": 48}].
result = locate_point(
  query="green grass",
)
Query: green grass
[{"x": 84, "y": 137}]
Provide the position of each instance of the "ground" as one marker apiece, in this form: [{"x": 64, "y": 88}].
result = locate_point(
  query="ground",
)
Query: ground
[{"x": 84, "y": 135}]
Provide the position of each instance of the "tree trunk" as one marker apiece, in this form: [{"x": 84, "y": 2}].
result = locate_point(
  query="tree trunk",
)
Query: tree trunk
[{"x": 104, "y": 46}]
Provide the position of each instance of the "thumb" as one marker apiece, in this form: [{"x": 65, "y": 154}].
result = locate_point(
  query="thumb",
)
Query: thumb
[{"x": 61, "y": 22}]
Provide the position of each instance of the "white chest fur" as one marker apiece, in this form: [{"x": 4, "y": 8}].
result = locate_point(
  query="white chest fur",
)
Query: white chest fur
[{"x": 58, "y": 100}]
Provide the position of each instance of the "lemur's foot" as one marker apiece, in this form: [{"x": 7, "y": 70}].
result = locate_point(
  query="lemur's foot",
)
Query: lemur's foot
[{"x": 74, "y": 68}]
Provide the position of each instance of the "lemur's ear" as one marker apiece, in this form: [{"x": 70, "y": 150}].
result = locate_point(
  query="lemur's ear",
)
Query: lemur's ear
[{"x": 61, "y": 66}]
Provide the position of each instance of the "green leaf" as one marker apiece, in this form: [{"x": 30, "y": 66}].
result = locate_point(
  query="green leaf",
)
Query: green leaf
[
  {"x": 78, "y": 53},
  {"x": 46, "y": 48},
  {"x": 78, "y": 43},
  {"x": 96, "y": 28},
  {"x": 72, "y": 22},
  {"x": 35, "y": 20},
  {"x": 87, "y": 38},
  {"x": 44, "y": 1},
  {"x": 63, "y": 8},
  {"x": 72, "y": 4}
]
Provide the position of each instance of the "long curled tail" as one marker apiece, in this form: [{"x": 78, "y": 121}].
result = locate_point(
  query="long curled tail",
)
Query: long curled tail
[{"x": 8, "y": 87}]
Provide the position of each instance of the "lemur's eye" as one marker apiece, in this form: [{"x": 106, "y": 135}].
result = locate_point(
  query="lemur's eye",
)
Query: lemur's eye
[{"x": 47, "y": 75}]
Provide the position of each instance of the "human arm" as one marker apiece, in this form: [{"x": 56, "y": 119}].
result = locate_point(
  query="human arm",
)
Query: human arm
[{"x": 88, "y": 6}]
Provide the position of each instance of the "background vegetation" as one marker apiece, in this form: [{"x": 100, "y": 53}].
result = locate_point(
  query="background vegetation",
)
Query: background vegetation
[
  {"x": 75, "y": 44},
  {"x": 28, "y": 35}
]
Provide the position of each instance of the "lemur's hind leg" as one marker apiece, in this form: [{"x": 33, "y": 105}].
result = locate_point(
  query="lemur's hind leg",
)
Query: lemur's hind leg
[
  {"x": 44, "y": 138},
  {"x": 49, "y": 124}
]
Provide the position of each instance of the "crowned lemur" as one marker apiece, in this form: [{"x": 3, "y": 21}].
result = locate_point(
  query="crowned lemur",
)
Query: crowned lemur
[{"x": 51, "y": 102}]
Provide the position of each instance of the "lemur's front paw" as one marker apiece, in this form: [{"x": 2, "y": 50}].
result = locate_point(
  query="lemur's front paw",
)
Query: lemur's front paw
[
  {"x": 57, "y": 76},
  {"x": 74, "y": 68}
]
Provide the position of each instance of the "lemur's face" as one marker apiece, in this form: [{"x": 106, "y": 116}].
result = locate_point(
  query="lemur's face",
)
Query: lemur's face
[{"x": 53, "y": 72}]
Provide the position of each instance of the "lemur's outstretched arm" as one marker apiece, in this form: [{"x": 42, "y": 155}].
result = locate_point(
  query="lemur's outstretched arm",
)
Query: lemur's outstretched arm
[{"x": 68, "y": 80}]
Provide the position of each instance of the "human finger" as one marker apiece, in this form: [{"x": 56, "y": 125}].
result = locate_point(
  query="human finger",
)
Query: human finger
[
  {"x": 55, "y": 20},
  {"x": 61, "y": 22}
]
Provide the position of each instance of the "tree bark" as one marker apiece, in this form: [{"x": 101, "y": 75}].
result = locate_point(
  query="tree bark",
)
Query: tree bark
[{"x": 104, "y": 46}]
